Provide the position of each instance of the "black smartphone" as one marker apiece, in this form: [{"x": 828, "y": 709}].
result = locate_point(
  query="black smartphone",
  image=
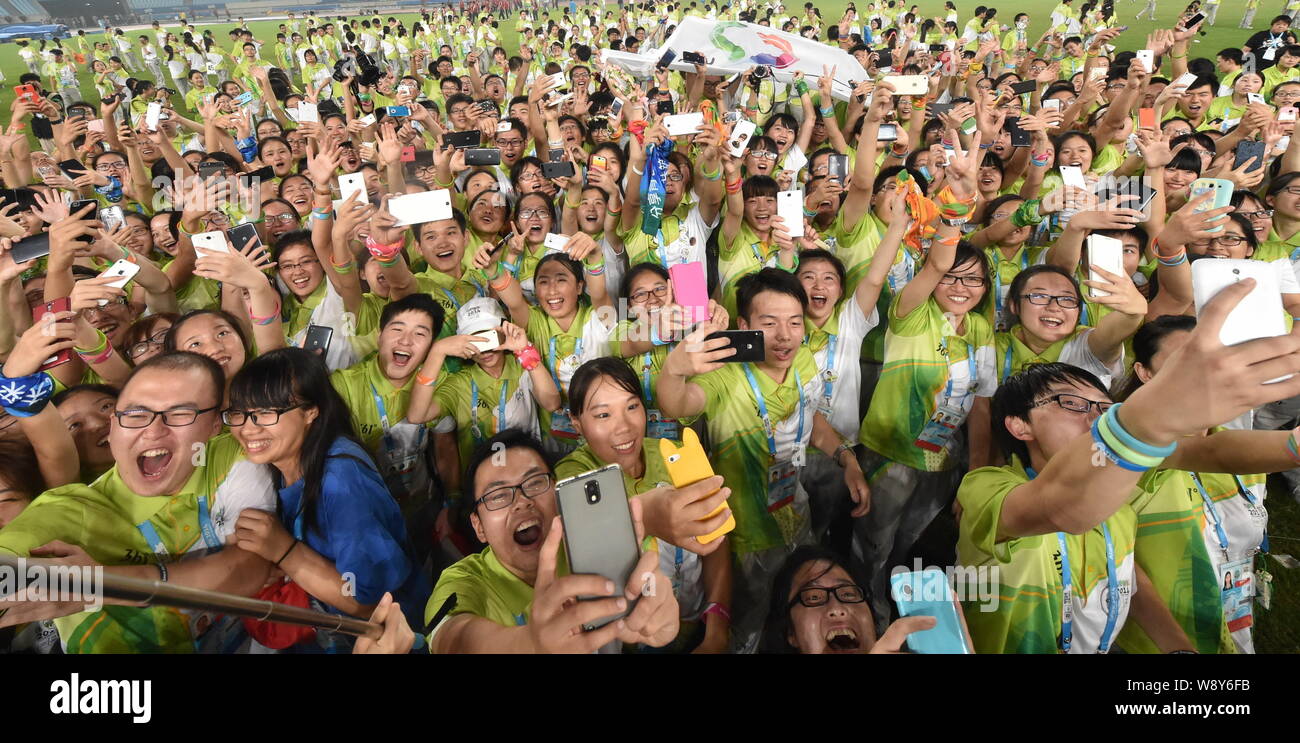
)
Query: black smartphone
[
  {"x": 211, "y": 170},
  {"x": 317, "y": 339},
  {"x": 243, "y": 235},
  {"x": 30, "y": 248},
  {"x": 558, "y": 170},
  {"x": 482, "y": 156},
  {"x": 42, "y": 128},
  {"x": 694, "y": 58},
  {"x": 1194, "y": 20},
  {"x": 73, "y": 169},
  {"x": 748, "y": 344},
  {"x": 1019, "y": 137},
  {"x": 93, "y": 214},
  {"x": 665, "y": 107},
  {"x": 502, "y": 243},
  {"x": 423, "y": 159},
  {"x": 937, "y": 48},
  {"x": 666, "y": 59},
  {"x": 838, "y": 167},
  {"x": 1027, "y": 86},
  {"x": 884, "y": 58},
  {"x": 1248, "y": 151},
  {"x": 935, "y": 109},
  {"x": 463, "y": 140},
  {"x": 264, "y": 173}
]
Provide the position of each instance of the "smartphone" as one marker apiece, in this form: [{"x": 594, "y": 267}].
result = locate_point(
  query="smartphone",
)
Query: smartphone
[
  {"x": 908, "y": 84},
  {"x": 1019, "y": 137},
  {"x": 838, "y": 167},
  {"x": 62, "y": 304},
  {"x": 318, "y": 338},
  {"x": 690, "y": 288},
  {"x": 308, "y": 112},
  {"x": 887, "y": 133},
  {"x": 694, "y": 58},
  {"x": 1259, "y": 315},
  {"x": 599, "y": 537},
  {"x": 418, "y": 208},
  {"x": 73, "y": 169},
  {"x": 558, "y": 170},
  {"x": 463, "y": 140},
  {"x": 1222, "y": 190},
  {"x": 152, "y": 113},
  {"x": 680, "y": 124},
  {"x": 243, "y": 99},
  {"x": 483, "y": 156},
  {"x": 1147, "y": 118},
  {"x": 666, "y": 59},
  {"x": 1072, "y": 176},
  {"x": 665, "y": 107},
  {"x": 122, "y": 272},
  {"x": 408, "y": 154},
  {"x": 1106, "y": 253},
  {"x": 368, "y": 120},
  {"x": 748, "y": 344},
  {"x": 111, "y": 217},
  {"x": 30, "y": 248},
  {"x": 1191, "y": 22},
  {"x": 1027, "y": 86},
  {"x": 1148, "y": 59},
  {"x": 264, "y": 173},
  {"x": 1287, "y": 113},
  {"x": 789, "y": 207},
  {"x": 209, "y": 242},
  {"x": 1254, "y": 98},
  {"x": 555, "y": 241},
  {"x": 740, "y": 137},
  {"x": 688, "y": 464},
  {"x": 210, "y": 170},
  {"x": 397, "y": 111},
  {"x": 927, "y": 594},
  {"x": 95, "y": 125},
  {"x": 351, "y": 183},
  {"x": 93, "y": 214},
  {"x": 1052, "y": 104},
  {"x": 615, "y": 108},
  {"x": 1250, "y": 151},
  {"x": 242, "y": 236},
  {"x": 599, "y": 162},
  {"x": 28, "y": 93},
  {"x": 1185, "y": 79},
  {"x": 487, "y": 340}
]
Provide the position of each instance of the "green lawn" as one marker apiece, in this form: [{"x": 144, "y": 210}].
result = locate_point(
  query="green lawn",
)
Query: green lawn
[{"x": 1278, "y": 629}]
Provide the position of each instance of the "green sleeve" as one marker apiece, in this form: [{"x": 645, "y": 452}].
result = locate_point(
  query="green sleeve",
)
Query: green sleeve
[{"x": 981, "y": 495}]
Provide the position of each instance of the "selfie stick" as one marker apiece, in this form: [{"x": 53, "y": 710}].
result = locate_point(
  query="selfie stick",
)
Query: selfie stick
[{"x": 157, "y": 593}]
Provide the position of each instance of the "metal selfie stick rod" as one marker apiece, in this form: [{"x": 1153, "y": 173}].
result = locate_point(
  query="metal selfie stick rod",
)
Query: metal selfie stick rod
[{"x": 157, "y": 593}]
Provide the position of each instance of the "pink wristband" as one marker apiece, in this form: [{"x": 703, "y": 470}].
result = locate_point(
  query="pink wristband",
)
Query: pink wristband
[{"x": 529, "y": 357}]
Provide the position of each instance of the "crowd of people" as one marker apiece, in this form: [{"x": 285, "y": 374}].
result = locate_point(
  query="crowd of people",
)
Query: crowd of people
[{"x": 324, "y": 318}]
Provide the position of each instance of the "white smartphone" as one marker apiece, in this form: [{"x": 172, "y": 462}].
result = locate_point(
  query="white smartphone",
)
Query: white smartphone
[
  {"x": 307, "y": 112},
  {"x": 789, "y": 207},
  {"x": 122, "y": 271},
  {"x": 555, "y": 241},
  {"x": 1287, "y": 113},
  {"x": 1096, "y": 73},
  {"x": 152, "y": 113},
  {"x": 503, "y": 126},
  {"x": 1072, "y": 175},
  {"x": 740, "y": 137},
  {"x": 1148, "y": 59},
  {"x": 486, "y": 340},
  {"x": 367, "y": 120},
  {"x": 1259, "y": 315},
  {"x": 418, "y": 208},
  {"x": 1052, "y": 104},
  {"x": 908, "y": 84},
  {"x": 679, "y": 124},
  {"x": 1254, "y": 98},
  {"x": 1185, "y": 79},
  {"x": 210, "y": 242},
  {"x": 351, "y": 183},
  {"x": 1106, "y": 253},
  {"x": 111, "y": 217}
]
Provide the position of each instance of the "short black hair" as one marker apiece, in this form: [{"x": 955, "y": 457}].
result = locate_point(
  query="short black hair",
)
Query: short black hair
[
  {"x": 418, "y": 302},
  {"x": 817, "y": 254},
  {"x": 1018, "y": 284},
  {"x": 511, "y": 438},
  {"x": 177, "y": 361},
  {"x": 590, "y": 372},
  {"x": 1015, "y": 398},
  {"x": 768, "y": 280},
  {"x": 98, "y": 389}
]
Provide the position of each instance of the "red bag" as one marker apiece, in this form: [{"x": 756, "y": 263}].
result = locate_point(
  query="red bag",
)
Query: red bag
[{"x": 278, "y": 635}]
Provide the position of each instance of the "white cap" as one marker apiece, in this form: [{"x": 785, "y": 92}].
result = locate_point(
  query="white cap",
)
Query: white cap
[{"x": 479, "y": 314}]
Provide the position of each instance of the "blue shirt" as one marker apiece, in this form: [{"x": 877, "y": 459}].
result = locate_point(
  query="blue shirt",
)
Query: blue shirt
[{"x": 359, "y": 527}]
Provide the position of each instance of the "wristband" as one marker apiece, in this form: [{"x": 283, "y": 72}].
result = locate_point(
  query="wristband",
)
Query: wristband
[
  {"x": 162, "y": 571},
  {"x": 716, "y": 608},
  {"x": 424, "y": 381},
  {"x": 23, "y": 397},
  {"x": 843, "y": 447},
  {"x": 826, "y": 112},
  {"x": 632, "y": 168},
  {"x": 618, "y": 211},
  {"x": 98, "y": 347},
  {"x": 504, "y": 278},
  {"x": 809, "y": 212},
  {"x": 345, "y": 267},
  {"x": 265, "y": 320},
  {"x": 495, "y": 274},
  {"x": 734, "y": 186},
  {"x": 569, "y": 205},
  {"x": 1099, "y": 443},
  {"x": 1027, "y": 215},
  {"x": 286, "y": 553},
  {"x": 598, "y": 270},
  {"x": 1292, "y": 449},
  {"x": 1129, "y": 441},
  {"x": 529, "y": 357},
  {"x": 98, "y": 358},
  {"x": 801, "y": 87},
  {"x": 1176, "y": 260},
  {"x": 127, "y": 255},
  {"x": 385, "y": 253},
  {"x": 322, "y": 214},
  {"x": 706, "y": 175},
  {"x": 953, "y": 208}
]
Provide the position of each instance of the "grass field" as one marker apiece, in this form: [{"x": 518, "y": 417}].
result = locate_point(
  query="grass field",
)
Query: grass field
[{"x": 1279, "y": 629}]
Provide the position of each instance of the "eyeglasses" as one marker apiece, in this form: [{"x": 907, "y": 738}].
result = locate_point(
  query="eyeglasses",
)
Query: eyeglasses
[
  {"x": 845, "y": 593},
  {"x": 642, "y": 295},
  {"x": 509, "y": 142},
  {"x": 109, "y": 167},
  {"x": 1293, "y": 190},
  {"x": 763, "y": 154},
  {"x": 144, "y": 417},
  {"x": 112, "y": 304},
  {"x": 1075, "y": 403},
  {"x": 280, "y": 219},
  {"x": 674, "y": 177},
  {"x": 1261, "y": 214},
  {"x": 1064, "y": 301},
  {"x": 949, "y": 279},
  {"x": 305, "y": 265},
  {"x": 143, "y": 346},
  {"x": 504, "y": 497},
  {"x": 1228, "y": 241},
  {"x": 268, "y": 417},
  {"x": 534, "y": 213}
]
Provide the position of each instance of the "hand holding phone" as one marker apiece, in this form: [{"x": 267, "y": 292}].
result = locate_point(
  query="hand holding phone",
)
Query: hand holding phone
[{"x": 688, "y": 464}]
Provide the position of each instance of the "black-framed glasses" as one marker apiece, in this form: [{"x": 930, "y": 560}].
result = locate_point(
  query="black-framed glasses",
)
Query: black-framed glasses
[
  {"x": 280, "y": 219},
  {"x": 265, "y": 417},
  {"x": 949, "y": 279},
  {"x": 763, "y": 154},
  {"x": 1227, "y": 241},
  {"x": 642, "y": 295},
  {"x": 110, "y": 304},
  {"x": 144, "y": 417},
  {"x": 1076, "y": 403},
  {"x": 143, "y": 346},
  {"x": 1064, "y": 301},
  {"x": 503, "y": 497},
  {"x": 815, "y": 596},
  {"x": 1261, "y": 214},
  {"x": 534, "y": 213}
]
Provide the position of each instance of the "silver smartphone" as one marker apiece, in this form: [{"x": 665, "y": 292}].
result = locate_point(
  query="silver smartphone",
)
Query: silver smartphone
[{"x": 599, "y": 536}]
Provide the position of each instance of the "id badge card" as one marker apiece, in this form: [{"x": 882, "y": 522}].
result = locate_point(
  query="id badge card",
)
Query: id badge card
[
  {"x": 562, "y": 425},
  {"x": 659, "y": 427},
  {"x": 1237, "y": 582},
  {"x": 1270, "y": 53},
  {"x": 938, "y": 431},
  {"x": 782, "y": 480},
  {"x": 679, "y": 250}
]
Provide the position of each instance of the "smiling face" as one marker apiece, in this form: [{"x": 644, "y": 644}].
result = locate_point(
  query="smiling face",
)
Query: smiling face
[
  {"x": 759, "y": 211},
  {"x": 297, "y": 191},
  {"x": 1230, "y": 243},
  {"x": 1050, "y": 428},
  {"x": 278, "y": 444},
  {"x": 212, "y": 336},
  {"x": 89, "y": 415},
  {"x": 822, "y": 283},
  {"x": 783, "y": 136},
  {"x": 163, "y": 239},
  {"x": 442, "y": 243},
  {"x": 1075, "y": 151},
  {"x": 557, "y": 290},
  {"x": 1048, "y": 323},
  {"x": 780, "y": 317},
  {"x": 278, "y": 156},
  {"x": 833, "y": 627},
  {"x": 516, "y": 532},
  {"x": 299, "y": 269},
  {"x": 533, "y": 220},
  {"x": 957, "y": 297},
  {"x": 1196, "y": 101},
  {"x": 613, "y": 422},
  {"x": 403, "y": 344},
  {"x": 591, "y": 211},
  {"x": 158, "y": 459}
]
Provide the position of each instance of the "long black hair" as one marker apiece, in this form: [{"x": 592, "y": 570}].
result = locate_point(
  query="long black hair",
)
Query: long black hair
[
  {"x": 775, "y": 638},
  {"x": 287, "y": 377}
]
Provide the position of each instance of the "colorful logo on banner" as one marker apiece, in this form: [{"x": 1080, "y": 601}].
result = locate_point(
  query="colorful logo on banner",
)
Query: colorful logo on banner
[{"x": 735, "y": 52}]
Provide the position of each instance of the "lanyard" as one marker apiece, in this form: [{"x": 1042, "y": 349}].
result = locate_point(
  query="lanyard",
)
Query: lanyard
[
  {"x": 768, "y": 429},
  {"x": 151, "y": 536},
  {"x": 555, "y": 374},
  {"x": 1212, "y": 511},
  {"x": 661, "y": 248},
  {"x": 452, "y": 297},
  {"x": 379, "y": 406},
  {"x": 646, "y": 363},
  {"x": 970, "y": 383},
  {"x": 828, "y": 371},
  {"x": 758, "y": 256},
  {"x": 997, "y": 278},
  {"x": 473, "y": 408}
]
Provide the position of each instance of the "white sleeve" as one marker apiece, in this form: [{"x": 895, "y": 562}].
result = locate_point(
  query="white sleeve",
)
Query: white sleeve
[
  {"x": 987, "y": 370},
  {"x": 853, "y": 324},
  {"x": 445, "y": 424},
  {"x": 1286, "y": 279},
  {"x": 1078, "y": 352},
  {"x": 247, "y": 485}
]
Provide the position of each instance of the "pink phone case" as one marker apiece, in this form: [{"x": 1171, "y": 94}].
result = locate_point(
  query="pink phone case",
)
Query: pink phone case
[{"x": 690, "y": 289}]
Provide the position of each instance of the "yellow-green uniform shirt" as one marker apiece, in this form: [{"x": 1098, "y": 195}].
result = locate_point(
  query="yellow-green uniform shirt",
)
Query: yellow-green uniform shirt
[
  {"x": 358, "y": 384},
  {"x": 739, "y": 257},
  {"x": 1003, "y": 271},
  {"x": 484, "y": 405},
  {"x": 485, "y": 588}
]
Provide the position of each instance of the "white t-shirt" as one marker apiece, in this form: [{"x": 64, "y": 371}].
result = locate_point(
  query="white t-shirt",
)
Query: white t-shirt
[{"x": 845, "y": 374}]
